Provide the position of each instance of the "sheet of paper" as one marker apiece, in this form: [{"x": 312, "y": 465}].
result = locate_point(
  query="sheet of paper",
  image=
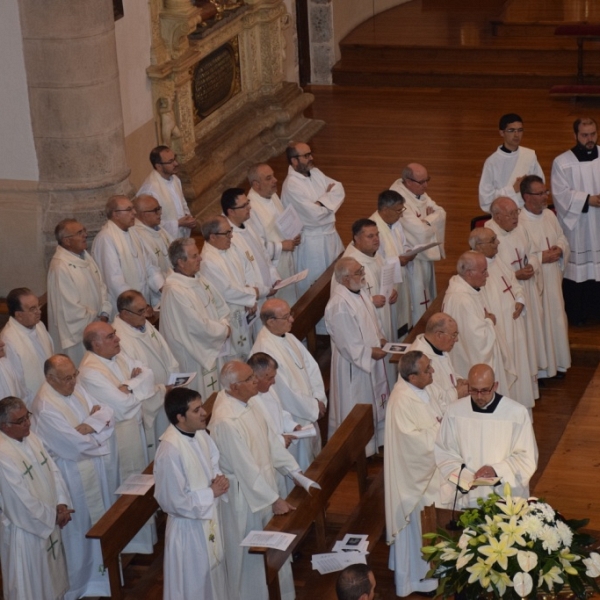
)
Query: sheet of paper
[
  {"x": 289, "y": 223},
  {"x": 306, "y": 432},
  {"x": 352, "y": 542},
  {"x": 336, "y": 561},
  {"x": 395, "y": 348},
  {"x": 416, "y": 249},
  {"x": 136, "y": 485},
  {"x": 397, "y": 269},
  {"x": 179, "y": 379},
  {"x": 387, "y": 279},
  {"x": 268, "y": 539},
  {"x": 293, "y": 279},
  {"x": 304, "y": 481}
]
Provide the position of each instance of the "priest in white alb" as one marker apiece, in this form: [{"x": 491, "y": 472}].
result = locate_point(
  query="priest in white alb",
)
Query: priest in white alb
[
  {"x": 553, "y": 250},
  {"x": 122, "y": 383},
  {"x": 230, "y": 272},
  {"x": 164, "y": 185},
  {"x": 190, "y": 488},
  {"x": 35, "y": 507},
  {"x": 479, "y": 341},
  {"x": 504, "y": 170},
  {"x": 12, "y": 383},
  {"x": 485, "y": 435},
  {"x": 79, "y": 433},
  {"x": 266, "y": 208},
  {"x": 441, "y": 334},
  {"x": 358, "y": 372},
  {"x": 316, "y": 198},
  {"x": 123, "y": 260},
  {"x": 194, "y": 318},
  {"x": 250, "y": 453},
  {"x": 27, "y": 343},
  {"x": 393, "y": 248},
  {"x": 424, "y": 222},
  {"x": 77, "y": 294},
  {"x": 140, "y": 340},
  {"x": 412, "y": 479},
  {"x": 505, "y": 298},
  {"x": 299, "y": 383}
]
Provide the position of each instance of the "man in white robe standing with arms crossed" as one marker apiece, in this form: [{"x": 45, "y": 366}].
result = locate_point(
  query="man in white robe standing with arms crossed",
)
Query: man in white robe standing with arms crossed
[
  {"x": 77, "y": 294},
  {"x": 164, "y": 185},
  {"x": 189, "y": 487},
  {"x": 316, "y": 199},
  {"x": 424, "y": 222}
]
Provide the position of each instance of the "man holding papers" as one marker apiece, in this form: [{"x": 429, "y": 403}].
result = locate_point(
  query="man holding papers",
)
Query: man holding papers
[{"x": 485, "y": 435}]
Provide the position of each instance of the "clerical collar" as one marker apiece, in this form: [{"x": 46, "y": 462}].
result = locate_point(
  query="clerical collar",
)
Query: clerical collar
[
  {"x": 190, "y": 435},
  {"x": 490, "y": 407},
  {"x": 505, "y": 149},
  {"x": 357, "y": 292},
  {"x": 583, "y": 154},
  {"x": 242, "y": 226},
  {"x": 156, "y": 228},
  {"x": 435, "y": 350},
  {"x": 142, "y": 328}
]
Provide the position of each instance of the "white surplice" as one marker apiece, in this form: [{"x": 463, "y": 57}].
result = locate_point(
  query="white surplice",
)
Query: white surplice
[
  {"x": 412, "y": 480},
  {"x": 124, "y": 263},
  {"x": 82, "y": 460},
  {"x": 151, "y": 349},
  {"x": 298, "y": 384},
  {"x": 194, "y": 563},
  {"x": 478, "y": 341},
  {"x": 194, "y": 319},
  {"x": 500, "y": 172},
  {"x": 76, "y": 297},
  {"x": 27, "y": 350},
  {"x": 502, "y": 439},
  {"x": 31, "y": 551},
  {"x": 12, "y": 383},
  {"x": 545, "y": 232},
  {"x": 572, "y": 182},
  {"x": 355, "y": 377},
  {"x": 393, "y": 244},
  {"x": 263, "y": 215},
  {"x": 516, "y": 251},
  {"x": 321, "y": 244},
  {"x": 421, "y": 228},
  {"x": 231, "y": 274},
  {"x": 169, "y": 194},
  {"x": 445, "y": 376},
  {"x": 250, "y": 453}
]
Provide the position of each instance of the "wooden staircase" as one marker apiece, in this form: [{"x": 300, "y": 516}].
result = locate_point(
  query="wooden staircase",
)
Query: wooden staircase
[{"x": 489, "y": 44}]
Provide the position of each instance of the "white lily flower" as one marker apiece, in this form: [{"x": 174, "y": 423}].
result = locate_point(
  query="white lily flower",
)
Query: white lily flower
[
  {"x": 527, "y": 561},
  {"x": 501, "y": 581},
  {"x": 523, "y": 584},
  {"x": 550, "y": 578},
  {"x": 464, "y": 559}
]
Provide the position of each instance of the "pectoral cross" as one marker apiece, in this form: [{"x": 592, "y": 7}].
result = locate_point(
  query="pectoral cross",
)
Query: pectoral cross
[
  {"x": 518, "y": 260},
  {"x": 157, "y": 251},
  {"x": 383, "y": 399},
  {"x": 51, "y": 547},
  {"x": 508, "y": 288},
  {"x": 27, "y": 470},
  {"x": 369, "y": 287},
  {"x": 45, "y": 461},
  {"x": 212, "y": 383},
  {"x": 426, "y": 300}
]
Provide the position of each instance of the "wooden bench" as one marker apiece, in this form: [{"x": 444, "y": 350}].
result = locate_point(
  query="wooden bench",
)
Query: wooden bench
[
  {"x": 120, "y": 523},
  {"x": 345, "y": 448}
]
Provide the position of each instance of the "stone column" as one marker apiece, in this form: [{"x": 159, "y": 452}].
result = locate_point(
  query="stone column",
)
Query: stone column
[{"x": 76, "y": 116}]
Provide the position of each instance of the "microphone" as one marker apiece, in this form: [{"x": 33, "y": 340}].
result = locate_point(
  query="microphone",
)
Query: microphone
[{"x": 453, "y": 523}]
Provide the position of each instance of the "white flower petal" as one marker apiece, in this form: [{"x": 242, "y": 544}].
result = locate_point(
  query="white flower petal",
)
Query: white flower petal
[
  {"x": 523, "y": 584},
  {"x": 527, "y": 560}
]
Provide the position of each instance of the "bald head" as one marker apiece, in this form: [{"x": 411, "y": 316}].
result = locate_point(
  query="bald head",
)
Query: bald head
[
  {"x": 101, "y": 339},
  {"x": 505, "y": 213},
  {"x": 441, "y": 331},
  {"x": 61, "y": 374},
  {"x": 472, "y": 267},
  {"x": 482, "y": 384},
  {"x": 147, "y": 209},
  {"x": 484, "y": 240}
]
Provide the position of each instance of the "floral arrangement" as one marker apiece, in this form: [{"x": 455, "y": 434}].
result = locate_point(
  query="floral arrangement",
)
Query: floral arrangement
[{"x": 513, "y": 548}]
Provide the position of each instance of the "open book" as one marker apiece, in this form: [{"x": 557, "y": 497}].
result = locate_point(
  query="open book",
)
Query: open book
[{"x": 468, "y": 480}]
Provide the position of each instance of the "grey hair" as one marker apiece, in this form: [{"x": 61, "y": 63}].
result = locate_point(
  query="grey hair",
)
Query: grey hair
[
  {"x": 342, "y": 268},
  {"x": 89, "y": 337},
  {"x": 59, "y": 230},
  {"x": 177, "y": 250},
  {"x": 408, "y": 364},
  {"x": 477, "y": 236},
  {"x": 228, "y": 375},
  {"x": 7, "y": 405},
  {"x": 259, "y": 362},
  {"x": 465, "y": 262},
  {"x": 389, "y": 198},
  {"x": 112, "y": 203},
  {"x": 407, "y": 173},
  {"x": 126, "y": 298},
  {"x": 211, "y": 226},
  {"x": 253, "y": 172}
]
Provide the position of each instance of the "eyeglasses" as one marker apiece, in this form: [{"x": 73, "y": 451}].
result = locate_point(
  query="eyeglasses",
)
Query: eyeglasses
[
  {"x": 68, "y": 378},
  {"x": 544, "y": 193},
  {"x": 512, "y": 130},
  {"x": 249, "y": 378},
  {"x": 130, "y": 209},
  {"x": 22, "y": 420},
  {"x": 240, "y": 206},
  {"x": 422, "y": 182},
  {"x": 398, "y": 210},
  {"x": 138, "y": 313},
  {"x": 454, "y": 335},
  {"x": 154, "y": 210},
  {"x": 80, "y": 233},
  {"x": 492, "y": 241},
  {"x": 306, "y": 155},
  {"x": 32, "y": 310},
  {"x": 513, "y": 213},
  {"x": 284, "y": 318},
  {"x": 361, "y": 271},
  {"x": 168, "y": 162},
  {"x": 482, "y": 392},
  {"x": 226, "y": 233}
]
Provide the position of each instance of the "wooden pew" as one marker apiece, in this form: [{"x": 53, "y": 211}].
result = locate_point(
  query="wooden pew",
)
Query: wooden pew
[
  {"x": 345, "y": 448},
  {"x": 310, "y": 308},
  {"x": 119, "y": 524}
]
